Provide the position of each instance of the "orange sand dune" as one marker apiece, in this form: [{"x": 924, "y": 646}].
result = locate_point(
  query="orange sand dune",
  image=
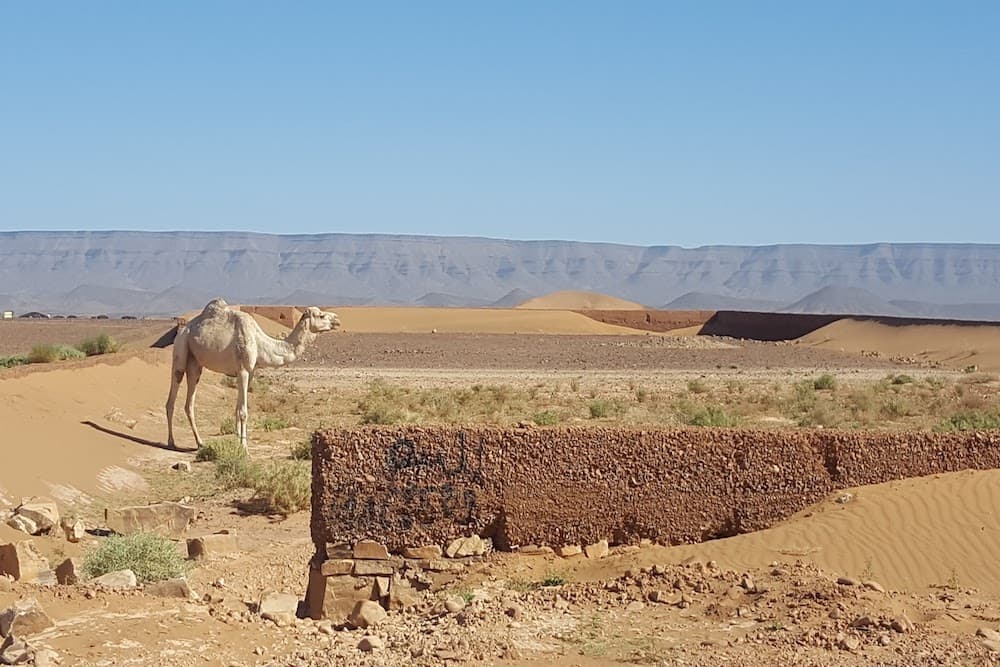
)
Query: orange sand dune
[
  {"x": 576, "y": 300},
  {"x": 952, "y": 345},
  {"x": 367, "y": 319},
  {"x": 907, "y": 535},
  {"x": 48, "y": 450}
]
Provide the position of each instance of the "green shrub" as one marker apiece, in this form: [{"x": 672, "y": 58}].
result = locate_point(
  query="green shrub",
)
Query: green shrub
[
  {"x": 150, "y": 557},
  {"x": 47, "y": 353},
  {"x": 17, "y": 360},
  {"x": 219, "y": 448},
  {"x": 697, "y": 387},
  {"x": 302, "y": 451},
  {"x": 710, "y": 415},
  {"x": 381, "y": 412},
  {"x": 825, "y": 381},
  {"x": 284, "y": 486},
  {"x": 272, "y": 424},
  {"x": 601, "y": 408},
  {"x": 227, "y": 426},
  {"x": 546, "y": 418},
  {"x": 100, "y": 344},
  {"x": 554, "y": 580},
  {"x": 971, "y": 420},
  {"x": 233, "y": 469},
  {"x": 902, "y": 378}
]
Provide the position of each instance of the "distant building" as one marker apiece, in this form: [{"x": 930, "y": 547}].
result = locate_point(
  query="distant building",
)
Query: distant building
[{"x": 7, "y": 315}]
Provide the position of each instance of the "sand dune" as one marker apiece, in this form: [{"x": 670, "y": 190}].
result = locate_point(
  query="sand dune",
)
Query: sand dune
[
  {"x": 471, "y": 320},
  {"x": 908, "y": 535},
  {"x": 49, "y": 450},
  {"x": 576, "y": 300},
  {"x": 954, "y": 346}
]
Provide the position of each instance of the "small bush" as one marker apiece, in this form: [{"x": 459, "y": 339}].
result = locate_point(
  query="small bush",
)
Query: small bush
[
  {"x": 601, "y": 408},
  {"x": 546, "y": 418},
  {"x": 710, "y": 415},
  {"x": 302, "y": 451},
  {"x": 100, "y": 344},
  {"x": 554, "y": 580},
  {"x": 697, "y": 387},
  {"x": 227, "y": 426},
  {"x": 380, "y": 412},
  {"x": 234, "y": 470},
  {"x": 972, "y": 420},
  {"x": 272, "y": 424},
  {"x": 284, "y": 486},
  {"x": 17, "y": 360},
  {"x": 213, "y": 450},
  {"x": 150, "y": 557},
  {"x": 825, "y": 381},
  {"x": 46, "y": 353},
  {"x": 902, "y": 378}
]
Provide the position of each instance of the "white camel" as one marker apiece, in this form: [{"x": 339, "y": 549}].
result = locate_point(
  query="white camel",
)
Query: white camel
[{"x": 231, "y": 342}]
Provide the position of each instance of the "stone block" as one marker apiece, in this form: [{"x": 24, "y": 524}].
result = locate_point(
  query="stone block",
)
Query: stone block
[{"x": 170, "y": 520}]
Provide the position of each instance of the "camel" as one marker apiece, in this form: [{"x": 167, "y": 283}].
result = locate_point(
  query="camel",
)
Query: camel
[{"x": 231, "y": 342}]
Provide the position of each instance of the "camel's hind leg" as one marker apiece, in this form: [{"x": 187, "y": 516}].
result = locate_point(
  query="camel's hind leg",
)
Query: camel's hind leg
[
  {"x": 193, "y": 376},
  {"x": 242, "y": 409}
]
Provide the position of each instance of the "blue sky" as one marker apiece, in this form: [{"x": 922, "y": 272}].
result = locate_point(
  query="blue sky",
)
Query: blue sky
[{"x": 666, "y": 123}]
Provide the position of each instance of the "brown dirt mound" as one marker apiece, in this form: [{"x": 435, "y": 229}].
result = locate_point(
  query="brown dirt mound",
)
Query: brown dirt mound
[{"x": 578, "y": 300}]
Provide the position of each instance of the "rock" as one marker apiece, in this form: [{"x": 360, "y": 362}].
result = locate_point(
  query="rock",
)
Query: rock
[
  {"x": 987, "y": 633},
  {"x": 874, "y": 586},
  {"x": 401, "y": 594},
  {"x": 663, "y": 597},
  {"x": 884, "y": 640},
  {"x": 847, "y": 581},
  {"x": 454, "y": 604},
  {"x": 209, "y": 546},
  {"x": 334, "y": 598},
  {"x": 370, "y": 643},
  {"x": 273, "y": 603},
  {"x": 428, "y": 552},
  {"x": 367, "y": 614},
  {"x": 370, "y": 550},
  {"x": 862, "y": 622},
  {"x": 68, "y": 572},
  {"x": 992, "y": 645},
  {"x": 466, "y": 546},
  {"x": 6, "y": 584},
  {"x": 117, "y": 581},
  {"x": 635, "y": 606},
  {"x": 597, "y": 549},
  {"x": 440, "y": 565},
  {"x": 23, "y": 524},
  {"x": 337, "y": 566},
  {"x": 171, "y": 588},
  {"x": 42, "y": 511},
  {"x": 22, "y": 561},
  {"x": 381, "y": 587},
  {"x": 845, "y": 498},
  {"x": 373, "y": 568},
  {"x": 902, "y": 624},
  {"x": 166, "y": 519},
  {"x": 514, "y": 611},
  {"x": 46, "y": 657},
  {"x": 746, "y": 581},
  {"x": 24, "y": 618},
  {"x": 182, "y": 466},
  {"x": 848, "y": 642},
  {"x": 570, "y": 550},
  {"x": 74, "y": 529},
  {"x": 14, "y": 652}
]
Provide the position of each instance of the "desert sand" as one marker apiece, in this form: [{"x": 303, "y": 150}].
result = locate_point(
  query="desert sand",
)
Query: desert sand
[
  {"x": 950, "y": 345},
  {"x": 579, "y": 300}
]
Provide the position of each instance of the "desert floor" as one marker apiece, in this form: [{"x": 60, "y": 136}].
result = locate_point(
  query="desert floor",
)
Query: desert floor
[{"x": 90, "y": 434}]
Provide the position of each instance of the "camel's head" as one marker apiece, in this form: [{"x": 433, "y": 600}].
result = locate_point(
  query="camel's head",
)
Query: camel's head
[{"x": 320, "y": 320}]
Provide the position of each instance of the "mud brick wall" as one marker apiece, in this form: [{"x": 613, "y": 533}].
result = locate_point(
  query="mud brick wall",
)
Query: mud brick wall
[{"x": 411, "y": 486}]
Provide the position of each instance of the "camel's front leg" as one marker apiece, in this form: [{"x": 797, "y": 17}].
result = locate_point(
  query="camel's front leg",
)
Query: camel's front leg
[
  {"x": 242, "y": 410},
  {"x": 193, "y": 377}
]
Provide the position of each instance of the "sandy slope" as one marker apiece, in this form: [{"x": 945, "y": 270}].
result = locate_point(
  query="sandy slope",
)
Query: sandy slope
[
  {"x": 951, "y": 345},
  {"x": 577, "y": 300},
  {"x": 48, "y": 450},
  {"x": 471, "y": 320}
]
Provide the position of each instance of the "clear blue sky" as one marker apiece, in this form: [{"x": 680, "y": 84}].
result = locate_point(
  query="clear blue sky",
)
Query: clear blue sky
[{"x": 660, "y": 122}]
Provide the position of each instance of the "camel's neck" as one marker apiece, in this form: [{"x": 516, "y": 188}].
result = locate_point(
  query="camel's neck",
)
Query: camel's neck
[{"x": 274, "y": 352}]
